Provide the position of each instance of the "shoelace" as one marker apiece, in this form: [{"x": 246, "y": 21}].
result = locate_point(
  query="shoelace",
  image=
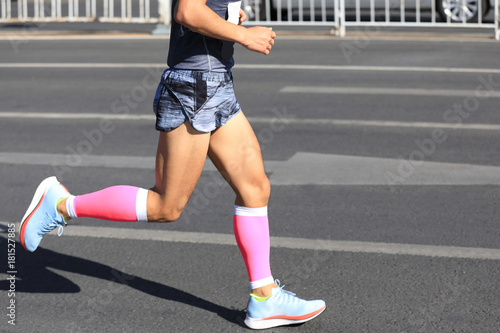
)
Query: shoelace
[
  {"x": 47, "y": 227},
  {"x": 60, "y": 230},
  {"x": 286, "y": 296}
]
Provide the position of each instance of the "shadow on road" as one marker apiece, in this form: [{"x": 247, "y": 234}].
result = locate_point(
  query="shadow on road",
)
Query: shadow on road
[{"x": 36, "y": 278}]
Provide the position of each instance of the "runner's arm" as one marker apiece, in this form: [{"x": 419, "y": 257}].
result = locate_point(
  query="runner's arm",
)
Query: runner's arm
[{"x": 197, "y": 16}]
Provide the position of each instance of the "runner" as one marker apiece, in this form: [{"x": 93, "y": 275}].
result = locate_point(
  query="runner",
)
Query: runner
[{"x": 196, "y": 114}]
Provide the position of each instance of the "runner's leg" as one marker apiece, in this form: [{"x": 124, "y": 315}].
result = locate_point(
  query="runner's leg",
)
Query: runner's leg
[
  {"x": 235, "y": 151},
  {"x": 180, "y": 158}
]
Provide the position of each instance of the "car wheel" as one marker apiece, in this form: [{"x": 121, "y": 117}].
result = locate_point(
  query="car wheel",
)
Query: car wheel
[{"x": 456, "y": 10}]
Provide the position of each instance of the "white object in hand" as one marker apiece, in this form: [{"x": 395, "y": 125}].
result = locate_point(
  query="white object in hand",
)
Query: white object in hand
[{"x": 233, "y": 12}]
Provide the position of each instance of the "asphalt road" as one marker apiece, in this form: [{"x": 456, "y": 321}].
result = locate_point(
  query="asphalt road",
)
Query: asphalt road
[{"x": 384, "y": 157}]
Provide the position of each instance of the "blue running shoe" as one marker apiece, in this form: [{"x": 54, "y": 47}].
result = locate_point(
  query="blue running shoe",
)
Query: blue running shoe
[
  {"x": 282, "y": 308},
  {"x": 41, "y": 216}
]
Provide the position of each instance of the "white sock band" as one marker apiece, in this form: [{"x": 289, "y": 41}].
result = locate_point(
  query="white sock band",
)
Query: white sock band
[
  {"x": 70, "y": 207},
  {"x": 141, "y": 205},
  {"x": 245, "y": 211},
  {"x": 261, "y": 282}
]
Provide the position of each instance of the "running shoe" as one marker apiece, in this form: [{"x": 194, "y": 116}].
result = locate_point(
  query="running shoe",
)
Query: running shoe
[
  {"x": 282, "y": 308},
  {"x": 42, "y": 216}
]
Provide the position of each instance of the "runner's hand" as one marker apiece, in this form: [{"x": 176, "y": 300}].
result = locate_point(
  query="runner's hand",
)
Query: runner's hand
[
  {"x": 243, "y": 16},
  {"x": 259, "y": 39}
]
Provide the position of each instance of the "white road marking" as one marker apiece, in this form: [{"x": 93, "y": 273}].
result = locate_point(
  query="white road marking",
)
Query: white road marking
[
  {"x": 370, "y": 68},
  {"x": 283, "y": 36},
  {"x": 62, "y": 116},
  {"x": 75, "y": 160},
  {"x": 62, "y": 36},
  {"x": 261, "y": 66},
  {"x": 259, "y": 120},
  {"x": 371, "y": 123},
  {"x": 301, "y": 169},
  {"x": 81, "y": 65},
  {"x": 284, "y": 242},
  {"x": 381, "y": 91}
]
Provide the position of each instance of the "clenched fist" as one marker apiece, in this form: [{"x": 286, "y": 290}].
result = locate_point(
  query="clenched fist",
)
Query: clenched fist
[{"x": 259, "y": 39}]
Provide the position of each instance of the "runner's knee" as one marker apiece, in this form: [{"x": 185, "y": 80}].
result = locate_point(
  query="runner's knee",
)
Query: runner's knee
[
  {"x": 163, "y": 210},
  {"x": 256, "y": 193},
  {"x": 168, "y": 214}
]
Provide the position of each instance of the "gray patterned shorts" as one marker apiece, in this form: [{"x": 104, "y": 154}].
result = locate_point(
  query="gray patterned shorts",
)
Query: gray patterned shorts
[{"x": 205, "y": 99}]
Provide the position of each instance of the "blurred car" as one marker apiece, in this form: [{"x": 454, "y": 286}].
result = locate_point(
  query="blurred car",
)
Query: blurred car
[{"x": 454, "y": 10}]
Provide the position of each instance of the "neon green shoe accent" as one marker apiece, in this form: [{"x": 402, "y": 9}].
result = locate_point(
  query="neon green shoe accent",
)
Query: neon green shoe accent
[{"x": 259, "y": 299}]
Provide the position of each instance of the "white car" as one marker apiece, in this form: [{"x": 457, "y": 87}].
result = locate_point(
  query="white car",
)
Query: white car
[{"x": 455, "y": 10}]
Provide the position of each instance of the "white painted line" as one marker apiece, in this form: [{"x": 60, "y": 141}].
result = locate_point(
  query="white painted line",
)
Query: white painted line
[
  {"x": 301, "y": 169},
  {"x": 371, "y": 123},
  {"x": 62, "y": 116},
  {"x": 69, "y": 36},
  {"x": 381, "y": 91},
  {"x": 75, "y": 160},
  {"x": 264, "y": 67},
  {"x": 370, "y": 68},
  {"x": 283, "y": 242},
  {"x": 282, "y": 35},
  {"x": 81, "y": 65},
  {"x": 259, "y": 120}
]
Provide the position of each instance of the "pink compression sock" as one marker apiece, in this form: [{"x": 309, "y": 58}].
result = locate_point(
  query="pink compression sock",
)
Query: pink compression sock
[
  {"x": 118, "y": 203},
  {"x": 251, "y": 229}
]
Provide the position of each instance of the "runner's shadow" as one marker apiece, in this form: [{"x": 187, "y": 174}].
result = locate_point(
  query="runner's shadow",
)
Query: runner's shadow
[{"x": 35, "y": 277}]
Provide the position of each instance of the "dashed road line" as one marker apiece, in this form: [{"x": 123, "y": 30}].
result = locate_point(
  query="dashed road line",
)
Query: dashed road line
[
  {"x": 259, "y": 120},
  {"x": 285, "y": 242}
]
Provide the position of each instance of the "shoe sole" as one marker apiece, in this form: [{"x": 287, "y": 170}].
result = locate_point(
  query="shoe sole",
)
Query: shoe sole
[
  {"x": 259, "y": 324},
  {"x": 35, "y": 203}
]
